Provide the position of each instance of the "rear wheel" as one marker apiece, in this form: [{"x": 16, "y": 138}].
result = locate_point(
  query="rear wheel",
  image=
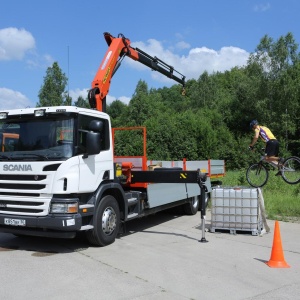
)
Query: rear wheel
[
  {"x": 291, "y": 170},
  {"x": 106, "y": 222},
  {"x": 257, "y": 175},
  {"x": 192, "y": 206}
]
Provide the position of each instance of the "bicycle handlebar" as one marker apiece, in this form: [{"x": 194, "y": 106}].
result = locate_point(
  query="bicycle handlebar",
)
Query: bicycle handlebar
[{"x": 261, "y": 151}]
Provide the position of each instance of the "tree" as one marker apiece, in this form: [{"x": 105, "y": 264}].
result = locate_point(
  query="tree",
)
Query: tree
[
  {"x": 139, "y": 108},
  {"x": 84, "y": 103},
  {"x": 52, "y": 92},
  {"x": 117, "y": 111},
  {"x": 67, "y": 101},
  {"x": 279, "y": 101}
]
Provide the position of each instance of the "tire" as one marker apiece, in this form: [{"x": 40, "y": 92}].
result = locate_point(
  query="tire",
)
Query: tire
[
  {"x": 106, "y": 222},
  {"x": 291, "y": 170},
  {"x": 257, "y": 175},
  {"x": 192, "y": 206}
]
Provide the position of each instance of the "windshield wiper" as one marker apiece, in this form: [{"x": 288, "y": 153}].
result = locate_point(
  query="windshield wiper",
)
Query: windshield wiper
[
  {"x": 44, "y": 157},
  {"x": 5, "y": 156}
]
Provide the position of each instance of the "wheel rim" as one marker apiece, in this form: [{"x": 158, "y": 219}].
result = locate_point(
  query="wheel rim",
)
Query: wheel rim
[
  {"x": 257, "y": 175},
  {"x": 195, "y": 201},
  {"x": 291, "y": 170},
  {"x": 109, "y": 221}
]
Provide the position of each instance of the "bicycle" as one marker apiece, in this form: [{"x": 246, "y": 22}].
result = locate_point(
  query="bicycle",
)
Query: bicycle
[{"x": 258, "y": 173}]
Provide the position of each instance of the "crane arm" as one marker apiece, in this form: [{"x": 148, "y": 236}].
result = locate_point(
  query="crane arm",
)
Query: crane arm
[{"x": 119, "y": 48}]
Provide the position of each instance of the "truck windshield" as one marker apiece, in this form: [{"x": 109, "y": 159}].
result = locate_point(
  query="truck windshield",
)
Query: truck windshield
[{"x": 37, "y": 139}]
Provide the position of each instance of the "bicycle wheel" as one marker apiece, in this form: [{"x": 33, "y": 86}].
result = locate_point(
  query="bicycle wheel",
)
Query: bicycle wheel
[
  {"x": 257, "y": 175},
  {"x": 291, "y": 170}
]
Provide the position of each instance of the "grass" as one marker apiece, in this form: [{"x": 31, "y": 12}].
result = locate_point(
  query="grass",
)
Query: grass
[{"x": 282, "y": 200}]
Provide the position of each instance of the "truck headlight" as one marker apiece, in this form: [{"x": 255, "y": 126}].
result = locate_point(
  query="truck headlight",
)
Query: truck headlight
[{"x": 64, "y": 208}]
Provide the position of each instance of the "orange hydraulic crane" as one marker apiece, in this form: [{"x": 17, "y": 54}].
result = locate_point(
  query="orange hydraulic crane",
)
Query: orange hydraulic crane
[{"x": 119, "y": 48}]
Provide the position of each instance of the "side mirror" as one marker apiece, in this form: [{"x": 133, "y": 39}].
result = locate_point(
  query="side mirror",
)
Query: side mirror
[
  {"x": 96, "y": 125},
  {"x": 93, "y": 143},
  {"x": 93, "y": 138}
]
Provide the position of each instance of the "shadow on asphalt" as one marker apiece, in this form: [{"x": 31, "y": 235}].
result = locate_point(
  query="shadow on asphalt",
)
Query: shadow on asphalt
[
  {"x": 143, "y": 224},
  {"x": 261, "y": 260},
  {"x": 41, "y": 247}
]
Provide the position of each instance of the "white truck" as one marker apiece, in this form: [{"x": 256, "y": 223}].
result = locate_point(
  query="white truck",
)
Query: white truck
[{"x": 59, "y": 175}]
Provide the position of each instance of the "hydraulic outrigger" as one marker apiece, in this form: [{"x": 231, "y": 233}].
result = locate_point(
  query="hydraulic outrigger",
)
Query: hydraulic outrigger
[{"x": 177, "y": 176}]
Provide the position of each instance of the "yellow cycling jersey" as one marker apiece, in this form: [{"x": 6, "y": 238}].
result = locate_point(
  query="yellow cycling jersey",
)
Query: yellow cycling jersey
[{"x": 265, "y": 133}]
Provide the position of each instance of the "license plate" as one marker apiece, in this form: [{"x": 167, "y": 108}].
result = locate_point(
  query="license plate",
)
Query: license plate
[{"x": 14, "y": 222}]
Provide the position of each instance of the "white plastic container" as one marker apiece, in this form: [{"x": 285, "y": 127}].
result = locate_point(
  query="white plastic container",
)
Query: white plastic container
[{"x": 235, "y": 209}]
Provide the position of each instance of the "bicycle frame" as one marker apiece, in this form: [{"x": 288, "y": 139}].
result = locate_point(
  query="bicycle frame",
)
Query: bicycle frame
[{"x": 270, "y": 163}]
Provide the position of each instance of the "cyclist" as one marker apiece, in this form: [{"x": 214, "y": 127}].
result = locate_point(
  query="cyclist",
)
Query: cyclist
[{"x": 272, "y": 144}]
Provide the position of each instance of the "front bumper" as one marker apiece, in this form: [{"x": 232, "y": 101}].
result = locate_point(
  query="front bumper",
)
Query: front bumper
[{"x": 58, "y": 226}]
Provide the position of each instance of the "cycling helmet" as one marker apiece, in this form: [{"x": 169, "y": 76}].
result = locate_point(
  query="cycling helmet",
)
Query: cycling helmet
[{"x": 252, "y": 123}]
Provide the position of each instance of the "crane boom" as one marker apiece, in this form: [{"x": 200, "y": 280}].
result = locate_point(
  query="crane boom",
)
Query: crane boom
[{"x": 119, "y": 48}]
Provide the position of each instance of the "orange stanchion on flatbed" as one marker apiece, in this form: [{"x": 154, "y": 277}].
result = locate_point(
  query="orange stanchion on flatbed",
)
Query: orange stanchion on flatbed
[{"x": 277, "y": 256}]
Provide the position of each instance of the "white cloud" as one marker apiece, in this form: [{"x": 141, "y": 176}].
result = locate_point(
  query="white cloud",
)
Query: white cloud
[
  {"x": 110, "y": 99},
  {"x": 37, "y": 61},
  {"x": 204, "y": 59},
  {"x": 182, "y": 45},
  {"x": 10, "y": 99},
  {"x": 124, "y": 99},
  {"x": 262, "y": 7},
  {"x": 195, "y": 62},
  {"x": 75, "y": 94},
  {"x": 14, "y": 43},
  {"x": 84, "y": 92}
]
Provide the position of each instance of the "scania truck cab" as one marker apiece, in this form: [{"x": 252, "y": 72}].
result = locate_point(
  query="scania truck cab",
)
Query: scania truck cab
[{"x": 45, "y": 180}]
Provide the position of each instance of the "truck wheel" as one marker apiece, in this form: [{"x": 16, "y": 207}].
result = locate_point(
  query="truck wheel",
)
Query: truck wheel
[
  {"x": 192, "y": 206},
  {"x": 106, "y": 222}
]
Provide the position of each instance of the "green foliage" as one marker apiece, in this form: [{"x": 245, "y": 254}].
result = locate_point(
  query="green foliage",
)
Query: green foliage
[
  {"x": 53, "y": 93},
  {"x": 134, "y": 148},
  {"x": 116, "y": 109},
  {"x": 84, "y": 103},
  {"x": 168, "y": 138}
]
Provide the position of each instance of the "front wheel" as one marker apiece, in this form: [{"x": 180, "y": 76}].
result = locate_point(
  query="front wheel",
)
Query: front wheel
[
  {"x": 106, "y": 222},
  {"x": 291, "y": 170},
  {"x": 257, "y": 175}
]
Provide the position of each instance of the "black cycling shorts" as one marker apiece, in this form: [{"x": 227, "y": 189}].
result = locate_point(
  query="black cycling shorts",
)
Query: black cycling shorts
[{"x": 272, "y": 148}]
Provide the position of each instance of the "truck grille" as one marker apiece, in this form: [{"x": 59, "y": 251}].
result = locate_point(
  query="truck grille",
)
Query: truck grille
[
  {"x": 24, "y": 194},
  {"x": 21, "y": 205},
  {"x": 23, "y": 177},
  {"x": 22, "y": 186}
]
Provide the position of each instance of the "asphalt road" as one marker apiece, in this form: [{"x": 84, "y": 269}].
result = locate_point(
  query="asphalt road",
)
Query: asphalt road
[{"x": 160, "y": 257}]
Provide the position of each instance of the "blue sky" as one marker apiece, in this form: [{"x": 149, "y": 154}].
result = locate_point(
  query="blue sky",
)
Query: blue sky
[{"x": 191, "y": 35}]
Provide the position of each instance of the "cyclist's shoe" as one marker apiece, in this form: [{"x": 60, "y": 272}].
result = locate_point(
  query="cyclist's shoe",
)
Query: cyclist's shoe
[
  {"x": 280, "y": 162},
  {"x": 279, "y": 173}
]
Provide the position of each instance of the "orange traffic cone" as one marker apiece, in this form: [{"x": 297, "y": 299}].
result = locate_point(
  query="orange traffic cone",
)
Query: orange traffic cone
[{"x": 277, "y": 257}]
